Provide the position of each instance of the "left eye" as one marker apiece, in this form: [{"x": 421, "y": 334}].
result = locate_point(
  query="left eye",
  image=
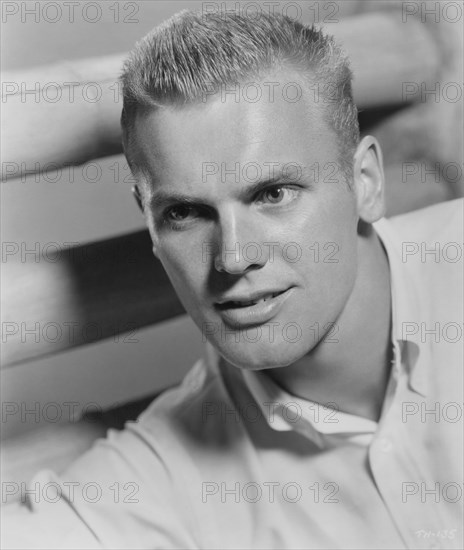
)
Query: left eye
[{"x": 276, "y": 195}]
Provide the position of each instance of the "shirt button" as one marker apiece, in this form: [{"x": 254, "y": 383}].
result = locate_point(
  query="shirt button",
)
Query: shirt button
[{"x": 385, "y": 445}]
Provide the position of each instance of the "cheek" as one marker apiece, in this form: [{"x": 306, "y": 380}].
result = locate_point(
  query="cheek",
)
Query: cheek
[
  {"x": 185, "y": 268},
  {"x": 338, "y": 260},
  {"x": 328, "y": 265},
  {"x": 326, "y": 235}
]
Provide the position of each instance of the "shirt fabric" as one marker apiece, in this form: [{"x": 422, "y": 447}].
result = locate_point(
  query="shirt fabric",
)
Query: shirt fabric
[{"x": 229, "y": 460}]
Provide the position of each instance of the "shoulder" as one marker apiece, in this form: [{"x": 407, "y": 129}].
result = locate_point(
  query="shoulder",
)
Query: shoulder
[
  {"x": 425, "y": 251},
  {"x": 429, "y": 240},
  {"x": 434, "y": 223},
  {"x": 189, "y": 419}
]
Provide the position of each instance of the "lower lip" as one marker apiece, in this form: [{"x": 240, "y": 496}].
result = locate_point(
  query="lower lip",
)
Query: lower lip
[{"x": 241, "y": 317}]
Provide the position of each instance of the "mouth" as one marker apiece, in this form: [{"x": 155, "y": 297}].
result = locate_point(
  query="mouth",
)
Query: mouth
[
  {"x": 235, "y": 304},
  {"x": 248, "y": 311}
]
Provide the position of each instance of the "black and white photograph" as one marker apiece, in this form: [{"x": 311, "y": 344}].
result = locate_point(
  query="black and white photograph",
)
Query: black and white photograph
[{"x": 232, "y": 309}]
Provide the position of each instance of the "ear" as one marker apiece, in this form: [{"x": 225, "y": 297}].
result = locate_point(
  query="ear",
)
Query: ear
[
  {"x": 137, "y": 196},
  {"x": 369, "y": 180}
]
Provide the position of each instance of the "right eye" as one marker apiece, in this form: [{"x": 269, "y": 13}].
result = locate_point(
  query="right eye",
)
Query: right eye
[{"x": 179, "y": 213}]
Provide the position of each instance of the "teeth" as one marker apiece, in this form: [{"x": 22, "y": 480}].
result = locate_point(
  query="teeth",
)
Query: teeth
[{"x": 254, "y": 302}]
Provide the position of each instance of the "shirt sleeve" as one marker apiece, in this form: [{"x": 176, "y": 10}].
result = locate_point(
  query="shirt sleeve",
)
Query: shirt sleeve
[{"x": 119, "y": 494}]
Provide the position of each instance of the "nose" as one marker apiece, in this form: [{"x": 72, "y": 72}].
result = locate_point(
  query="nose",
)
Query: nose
[{"x": 239, "y": 247}]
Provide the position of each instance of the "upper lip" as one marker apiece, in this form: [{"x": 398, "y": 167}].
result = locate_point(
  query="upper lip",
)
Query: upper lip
[{"x": 250, "y": 297}]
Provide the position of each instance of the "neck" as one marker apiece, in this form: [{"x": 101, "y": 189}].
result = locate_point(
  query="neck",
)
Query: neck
[{"x": 353, "y": 372}]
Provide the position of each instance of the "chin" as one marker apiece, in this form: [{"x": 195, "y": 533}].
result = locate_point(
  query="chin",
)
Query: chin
[{"x": 254, "y": 356}]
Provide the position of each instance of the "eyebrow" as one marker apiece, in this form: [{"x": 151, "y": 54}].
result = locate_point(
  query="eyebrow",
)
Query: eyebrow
[{"x": 161, "y": 199}]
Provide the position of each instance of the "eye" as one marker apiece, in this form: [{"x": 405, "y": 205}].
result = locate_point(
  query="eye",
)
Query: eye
[
  {"x": 278, "y": 194},
  {"x": 179, "y": 213}
]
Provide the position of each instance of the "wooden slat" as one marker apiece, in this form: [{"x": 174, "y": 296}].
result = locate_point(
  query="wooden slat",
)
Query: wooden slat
[
  {"x": 101, "y": 290},
  {"x": 37, "y": 130},
  {"x": 385, "y": 53}
]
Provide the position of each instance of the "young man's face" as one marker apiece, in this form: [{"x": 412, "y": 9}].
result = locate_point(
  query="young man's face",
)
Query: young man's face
[{"x": 248, "y": 202}]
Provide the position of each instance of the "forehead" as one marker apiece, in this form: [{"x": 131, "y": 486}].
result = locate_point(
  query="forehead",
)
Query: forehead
[{"x": 261, "y": 122}]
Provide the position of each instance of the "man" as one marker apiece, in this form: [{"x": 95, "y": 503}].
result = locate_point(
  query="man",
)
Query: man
[{"x": 304, "y": 425}]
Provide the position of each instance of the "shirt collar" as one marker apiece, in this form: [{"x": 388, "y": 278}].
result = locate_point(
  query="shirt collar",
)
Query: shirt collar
[
  {"x": 407, "y": 310},
  {"x": 287, "y": 412}
]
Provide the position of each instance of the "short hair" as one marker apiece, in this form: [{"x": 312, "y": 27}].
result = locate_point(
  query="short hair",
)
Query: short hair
[{"x": 182, "y": 59}]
